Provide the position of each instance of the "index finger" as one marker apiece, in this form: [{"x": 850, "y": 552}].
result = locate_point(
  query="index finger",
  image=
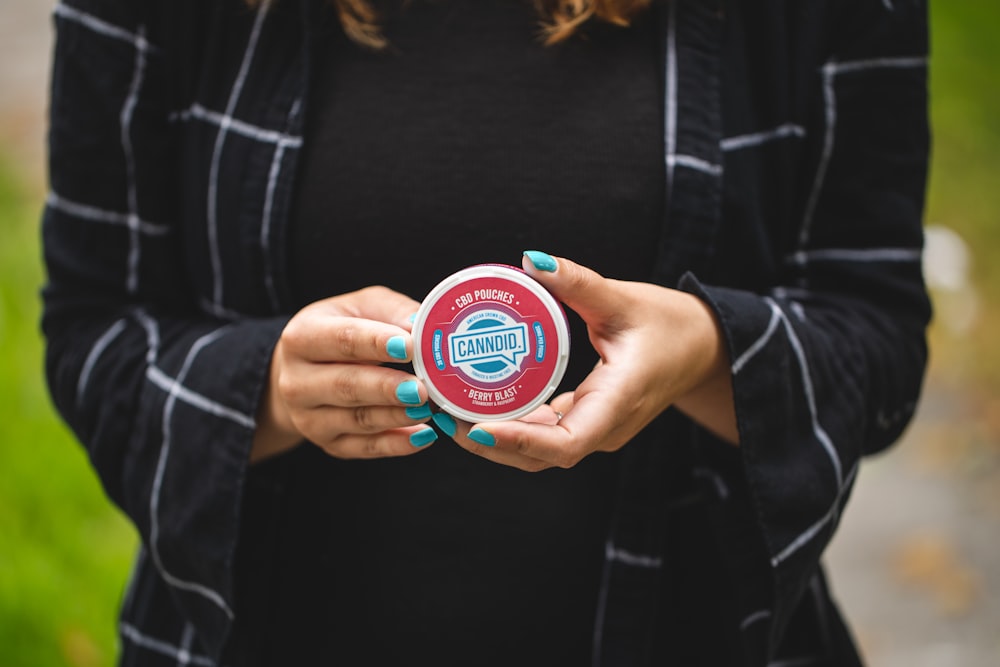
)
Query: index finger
[
  {"x": 323, "y": 338},
  {"x": 589, "y": 426},
  {"x": 378, "y": 303}
]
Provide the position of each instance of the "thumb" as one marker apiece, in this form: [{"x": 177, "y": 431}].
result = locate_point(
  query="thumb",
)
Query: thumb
[{"x": 595, "y": 298}]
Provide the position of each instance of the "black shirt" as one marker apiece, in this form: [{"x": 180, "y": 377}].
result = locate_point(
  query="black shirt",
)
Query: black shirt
[{"x": 465, "y": 142}]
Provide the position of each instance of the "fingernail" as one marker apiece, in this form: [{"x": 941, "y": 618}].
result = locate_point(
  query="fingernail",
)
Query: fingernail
[
  {"x": 419, "y": 412},
  {"x": 396, "y": 347},
  {"x": 482, "y": 437},
  {"x": 412, "y": 318},
  {"x": 446, "y": 423},
  {"x": 541, "y": 261},
  {"x": 407, "y": 393},
  {"x": 423, "y": 437}
]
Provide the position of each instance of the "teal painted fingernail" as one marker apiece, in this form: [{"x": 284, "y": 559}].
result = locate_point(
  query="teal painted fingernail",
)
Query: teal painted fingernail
[
  {"x": 541, "y": 261},
  {"x": 412, "y": 318},
  {"x": 482, "y": 437},
  {"x": 446, "y": 423},
  {"x": 423, "y": 437},
  {"x": 396, "y": 347},
  {"x": 419, "y": 412},
  {"x": 407, "y": 393}
]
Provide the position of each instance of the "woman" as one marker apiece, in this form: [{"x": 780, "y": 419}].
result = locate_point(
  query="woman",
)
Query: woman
[{"x": 733, "y": 192}]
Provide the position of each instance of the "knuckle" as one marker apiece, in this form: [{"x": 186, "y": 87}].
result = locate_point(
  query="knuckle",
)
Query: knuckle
[
  {"x": 365, "y": 418},
  {"x": 293, "y": 335},
  {"x": 580, "y": 279},
  {"x": 344, "y": 387},
  {"x": 288, "y": 388},
  {"x": 376, "y": 342},
  {"x": 346, "y": 340},
  {"x": 520, "y": 444},
  {"x": 371, "y": 448}
]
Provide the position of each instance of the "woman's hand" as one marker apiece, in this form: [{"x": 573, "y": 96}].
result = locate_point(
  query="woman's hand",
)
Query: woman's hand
[
  {"x": 658, "y": 347},
  {"x": 327, "y": 385}
]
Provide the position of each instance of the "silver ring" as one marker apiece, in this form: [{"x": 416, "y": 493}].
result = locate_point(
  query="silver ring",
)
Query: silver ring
[{"x": 559, "y": 416}]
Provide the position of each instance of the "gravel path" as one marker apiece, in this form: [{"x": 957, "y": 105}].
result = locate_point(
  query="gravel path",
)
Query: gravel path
[
  {"x": 916, "y": 564},
  {"x": 25, "y": 36}
]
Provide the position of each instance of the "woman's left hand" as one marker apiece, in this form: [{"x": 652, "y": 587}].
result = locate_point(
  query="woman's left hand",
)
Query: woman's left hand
[{"x": 658, "y": 347}]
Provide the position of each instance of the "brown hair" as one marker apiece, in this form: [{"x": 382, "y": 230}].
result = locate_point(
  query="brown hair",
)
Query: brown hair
[{"x": 559, "y": 18}]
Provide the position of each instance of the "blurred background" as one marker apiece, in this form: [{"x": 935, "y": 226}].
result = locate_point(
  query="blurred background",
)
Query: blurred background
[{"x": 916, "y": 564}]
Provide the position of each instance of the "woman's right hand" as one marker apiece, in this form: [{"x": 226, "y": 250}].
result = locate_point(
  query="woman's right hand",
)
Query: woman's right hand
[{"x": 327, "y": 384}]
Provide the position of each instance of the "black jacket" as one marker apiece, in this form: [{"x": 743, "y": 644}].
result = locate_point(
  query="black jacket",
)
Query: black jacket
[{"x": 795, "y": 145}]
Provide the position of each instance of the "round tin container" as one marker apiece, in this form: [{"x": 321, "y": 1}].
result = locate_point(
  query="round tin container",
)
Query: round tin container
[{"x": 491, "y": 343}]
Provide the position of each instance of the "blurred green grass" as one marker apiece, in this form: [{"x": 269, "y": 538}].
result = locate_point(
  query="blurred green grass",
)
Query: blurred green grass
[
  {"x": 65, "y": 552},
  {"x": 964, "y": 192}
]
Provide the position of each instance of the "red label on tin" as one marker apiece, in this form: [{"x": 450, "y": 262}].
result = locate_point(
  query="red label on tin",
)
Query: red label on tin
[{"x": 489, "y": 345}]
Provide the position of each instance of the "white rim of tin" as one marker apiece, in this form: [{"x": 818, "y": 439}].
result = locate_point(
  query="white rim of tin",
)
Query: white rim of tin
[{"x": 491, "y": 271}]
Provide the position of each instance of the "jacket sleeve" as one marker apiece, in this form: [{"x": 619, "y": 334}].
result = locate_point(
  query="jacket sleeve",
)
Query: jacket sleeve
[
  {"x": 162, "y": 396},
  {"x": 827, "y": 364}
]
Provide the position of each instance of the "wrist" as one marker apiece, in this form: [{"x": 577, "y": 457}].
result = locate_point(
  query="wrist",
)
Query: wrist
[
  {"x": 706, "y": 345},
  {"x": 709, "y": 399},
  {"x": 275, "y": 432}
]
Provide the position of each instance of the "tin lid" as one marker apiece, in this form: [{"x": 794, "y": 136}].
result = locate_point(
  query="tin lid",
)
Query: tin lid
[{"x": 491, "y": 343}]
